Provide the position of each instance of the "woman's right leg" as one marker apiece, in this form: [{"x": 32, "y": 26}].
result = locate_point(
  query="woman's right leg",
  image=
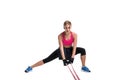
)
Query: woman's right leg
[
  {"x": 39, "y": 63},
  {"x": 51, "y": 57}
]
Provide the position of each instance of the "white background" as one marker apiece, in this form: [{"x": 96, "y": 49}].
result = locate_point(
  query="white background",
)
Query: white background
[{"x": 29, "y": 30}]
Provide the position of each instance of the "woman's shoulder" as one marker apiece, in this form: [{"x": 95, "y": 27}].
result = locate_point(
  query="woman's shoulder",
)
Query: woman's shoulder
[
  {"x": 74, "y": 34},
  {"x": 60, "y": 34}
]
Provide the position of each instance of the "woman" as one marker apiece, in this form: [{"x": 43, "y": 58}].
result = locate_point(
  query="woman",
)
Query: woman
[{"x": 66, "y": 51}]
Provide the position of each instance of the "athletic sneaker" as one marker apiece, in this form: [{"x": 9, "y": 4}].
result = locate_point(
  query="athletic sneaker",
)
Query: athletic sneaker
[
  {"x": 28, "y": 69},
  {"x": 84, "y": 68}
]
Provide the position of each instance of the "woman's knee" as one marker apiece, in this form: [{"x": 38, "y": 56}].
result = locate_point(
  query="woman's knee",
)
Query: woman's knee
[{"x": 83, "y": 51}]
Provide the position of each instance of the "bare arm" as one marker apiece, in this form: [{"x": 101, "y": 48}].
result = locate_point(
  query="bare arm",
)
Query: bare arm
[
  {"x": 61, "y": 46},
  {"x": 74, "y": 44}
]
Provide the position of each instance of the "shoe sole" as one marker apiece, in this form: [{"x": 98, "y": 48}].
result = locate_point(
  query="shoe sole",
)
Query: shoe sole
[{"x": 85, "y": 71}]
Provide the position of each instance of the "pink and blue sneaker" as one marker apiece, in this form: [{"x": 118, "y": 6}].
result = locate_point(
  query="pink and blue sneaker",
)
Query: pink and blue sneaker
[
  {"x": 28, "y": 69},
  {"x": 84, "y": 68}
]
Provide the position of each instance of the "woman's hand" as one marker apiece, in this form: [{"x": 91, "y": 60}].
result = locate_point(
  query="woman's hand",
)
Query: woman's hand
[
  {"x": 65, "y": 62},
  {"x": 71, "y": 60}
]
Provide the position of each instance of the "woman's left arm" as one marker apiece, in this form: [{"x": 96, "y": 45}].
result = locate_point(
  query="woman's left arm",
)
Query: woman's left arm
[{"x": 74, "y": 44}]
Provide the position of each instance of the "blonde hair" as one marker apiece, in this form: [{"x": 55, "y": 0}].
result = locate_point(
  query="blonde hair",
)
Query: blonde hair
[{"x": 67, "y": 22}]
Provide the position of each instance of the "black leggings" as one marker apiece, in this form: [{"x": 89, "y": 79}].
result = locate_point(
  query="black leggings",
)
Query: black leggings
[{"x": 67, "y": 52}]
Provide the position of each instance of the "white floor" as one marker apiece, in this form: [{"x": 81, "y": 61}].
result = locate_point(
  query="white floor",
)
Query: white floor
[{"x": 25, "y": 25}]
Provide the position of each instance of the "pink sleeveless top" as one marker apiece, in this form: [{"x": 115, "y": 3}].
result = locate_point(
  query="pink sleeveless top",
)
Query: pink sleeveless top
[{"x": 69, "y": 41}]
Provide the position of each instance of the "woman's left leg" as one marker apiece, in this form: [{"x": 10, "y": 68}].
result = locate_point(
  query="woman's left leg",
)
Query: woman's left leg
[
  {"x": 83, "y": 58},
  {"x": 83, "y": 54}
]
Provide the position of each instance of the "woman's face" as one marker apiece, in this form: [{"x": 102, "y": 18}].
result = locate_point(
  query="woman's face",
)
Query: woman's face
[{"x": 67, "y": 28}]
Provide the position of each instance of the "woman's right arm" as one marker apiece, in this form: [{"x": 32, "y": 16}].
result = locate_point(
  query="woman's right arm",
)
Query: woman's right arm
[{"x": 61, "y": 46}]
